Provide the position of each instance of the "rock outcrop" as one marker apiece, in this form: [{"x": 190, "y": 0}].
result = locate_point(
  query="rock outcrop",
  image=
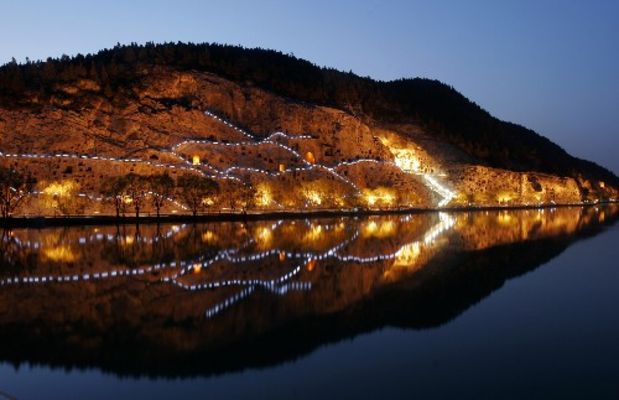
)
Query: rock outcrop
[{"x": 291, "y": 154}]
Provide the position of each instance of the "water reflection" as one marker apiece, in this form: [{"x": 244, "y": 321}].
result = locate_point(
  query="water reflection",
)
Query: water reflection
[{"x": 159, "y": 299}]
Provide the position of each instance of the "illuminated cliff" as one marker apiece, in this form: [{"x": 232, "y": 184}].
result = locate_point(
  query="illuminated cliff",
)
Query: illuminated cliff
[{"x": 266, "y": 150}]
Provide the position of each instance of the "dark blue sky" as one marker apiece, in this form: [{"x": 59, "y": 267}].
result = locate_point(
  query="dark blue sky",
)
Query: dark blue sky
[{"x": 552, "y": 66}]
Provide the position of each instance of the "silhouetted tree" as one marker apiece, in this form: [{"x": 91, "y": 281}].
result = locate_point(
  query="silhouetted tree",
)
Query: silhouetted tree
[
  {"x": 114, "y": 189},
  {"x": 162, "y": 187},
  {"x": 14, "y": 188},
  {"x": 136, "y": 190},
  {"x": 194, "y": 190}
]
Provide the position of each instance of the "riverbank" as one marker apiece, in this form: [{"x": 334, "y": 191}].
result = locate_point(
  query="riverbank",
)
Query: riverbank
[{"x": 50, "y": 221}]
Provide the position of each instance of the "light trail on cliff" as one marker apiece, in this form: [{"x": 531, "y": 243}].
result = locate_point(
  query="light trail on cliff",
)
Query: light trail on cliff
[{"x": 228, "y": 174}]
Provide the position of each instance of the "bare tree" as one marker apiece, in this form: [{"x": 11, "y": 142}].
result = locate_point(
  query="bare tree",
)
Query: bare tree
[
  {"x": 136, "y": 190},
  {"x": 114, "y": 190},
  {"x": 162, "y": 188},
  {"x": 246, "y": 193},
  {"x": 14, "y": 187},
  {"x": 194, "y": 190}
]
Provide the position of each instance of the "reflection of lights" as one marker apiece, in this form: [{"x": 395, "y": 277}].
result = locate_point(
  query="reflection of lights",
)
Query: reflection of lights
[
  {"x": 384, "y": 229},
  {"x": 314, "y": 233},
  {"x": 208, "y": 237},
  {"x": 407, "y": 255},
  {"x": 446, "y": 222},
  {"x": 371, "y": 227},
  {"x": 263, "y": 236},
  {"x": 504, "y": 218}
]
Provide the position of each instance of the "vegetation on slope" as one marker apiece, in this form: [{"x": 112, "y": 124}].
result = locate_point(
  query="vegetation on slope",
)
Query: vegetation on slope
[{"x": 437, "y": 107}]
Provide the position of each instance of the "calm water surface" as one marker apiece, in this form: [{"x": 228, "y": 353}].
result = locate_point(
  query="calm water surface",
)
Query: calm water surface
[{"x": 498, "y": 304}]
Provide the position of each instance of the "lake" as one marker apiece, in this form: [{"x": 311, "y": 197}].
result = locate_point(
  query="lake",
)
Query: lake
[{"x": 483, "y": 304}]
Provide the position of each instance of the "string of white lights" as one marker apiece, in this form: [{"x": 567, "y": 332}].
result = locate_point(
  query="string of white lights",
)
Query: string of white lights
[{"x": 227, "y": 174}]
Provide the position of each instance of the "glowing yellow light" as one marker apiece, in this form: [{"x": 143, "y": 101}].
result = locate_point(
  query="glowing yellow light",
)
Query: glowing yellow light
[
  {"x": 282, "y": 167},
  {"x": 62, "y": 189},
  {"x": 208, "y": 237},
  {"x": 379, "y": 196},
  {"x": 404, "y": 158},
  {"x": 504, "y": 218},
  {"x": 127, "y": 200},
  {"x": 371, "y": 227},
  {"x": 197, "y": 267},
  {"x": 407, "y": 255},
  {"x": 311, "y": 264},
  {"x": 208, "y": 201},
  {"x": 382, "y": 230},
  {"x": 602, "y": 184},
  {"x": 195, "y": 160},
  {"x": 263, "y": 236},
  {"x": 314, "y": 233},
  {"x": 282, "y": 256},
  {"x": 129, "y": 239},
  {"x": 313, "y": 197},
  {"x": 309, "y": 157},
  {"x": 264, "y": 196},
  {"x": 60, "y": 254},
  {"x": 504, "y": 198}
]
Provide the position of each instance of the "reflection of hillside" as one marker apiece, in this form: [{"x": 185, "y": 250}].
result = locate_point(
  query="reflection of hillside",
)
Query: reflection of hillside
[
  {"x": 277, "y": 294},
  {"x": 480, "y": 230}
]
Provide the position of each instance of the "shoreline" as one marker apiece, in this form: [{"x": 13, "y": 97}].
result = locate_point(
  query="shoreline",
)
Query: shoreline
[{"x": 87, "y": 220}]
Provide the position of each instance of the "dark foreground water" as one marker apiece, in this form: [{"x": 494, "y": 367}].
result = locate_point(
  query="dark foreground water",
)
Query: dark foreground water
[{"x": 510, "y": 304}]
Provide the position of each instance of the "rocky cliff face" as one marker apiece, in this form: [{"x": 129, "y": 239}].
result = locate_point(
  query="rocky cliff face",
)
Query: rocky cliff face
[{"x": 292, "y": 155}]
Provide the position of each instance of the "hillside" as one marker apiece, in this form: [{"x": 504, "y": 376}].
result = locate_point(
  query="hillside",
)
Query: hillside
[{"x": 274, "y": 132}]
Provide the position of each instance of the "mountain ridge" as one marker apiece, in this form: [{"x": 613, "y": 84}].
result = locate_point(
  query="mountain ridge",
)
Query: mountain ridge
[
  {"x": 242, "y": 86},
  {"x": 432, "y": 90}
]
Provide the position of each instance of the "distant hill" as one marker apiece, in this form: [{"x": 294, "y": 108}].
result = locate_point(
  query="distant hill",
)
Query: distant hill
[
  {"x": 435, "y": 105},
  {"x": 164, "y": 102}
]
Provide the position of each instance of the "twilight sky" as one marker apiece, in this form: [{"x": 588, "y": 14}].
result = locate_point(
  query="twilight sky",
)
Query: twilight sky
[{"x": 552, "y": 66}]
